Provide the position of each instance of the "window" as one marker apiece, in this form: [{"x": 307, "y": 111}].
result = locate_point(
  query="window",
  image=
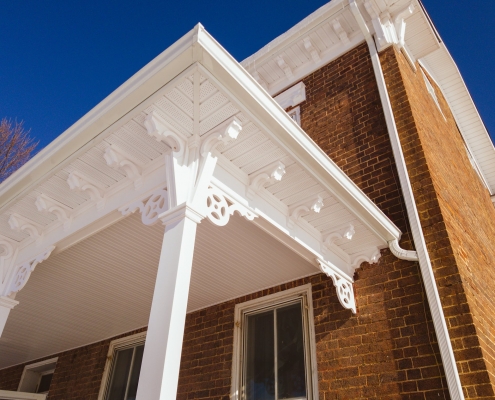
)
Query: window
[
  {"x": 121, "y": 375},
  {"x": 274, "y": 348},
  {"x": 36, "y": 378}
]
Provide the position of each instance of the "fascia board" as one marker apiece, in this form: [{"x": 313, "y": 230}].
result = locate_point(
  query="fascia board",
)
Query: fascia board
[
  {"x": 79, "y": 136},
  {"x": 290, "y": 137}
]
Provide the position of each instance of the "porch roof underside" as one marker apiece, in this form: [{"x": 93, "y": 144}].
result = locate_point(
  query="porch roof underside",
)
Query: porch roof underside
[{"x": 103, "y": 286}]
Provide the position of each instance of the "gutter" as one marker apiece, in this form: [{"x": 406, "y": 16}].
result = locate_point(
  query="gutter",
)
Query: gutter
[{"x": 446, "y": 352}]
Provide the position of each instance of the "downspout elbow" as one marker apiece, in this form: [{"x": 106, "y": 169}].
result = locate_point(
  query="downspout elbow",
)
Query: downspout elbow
[{"x": 399, "y": 252}]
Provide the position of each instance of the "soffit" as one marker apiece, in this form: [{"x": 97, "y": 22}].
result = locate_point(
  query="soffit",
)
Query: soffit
[{"x": 103, "y": 286}]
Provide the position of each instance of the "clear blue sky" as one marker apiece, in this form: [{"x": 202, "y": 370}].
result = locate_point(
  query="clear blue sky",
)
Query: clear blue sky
[{"x": 60, "y": 58}]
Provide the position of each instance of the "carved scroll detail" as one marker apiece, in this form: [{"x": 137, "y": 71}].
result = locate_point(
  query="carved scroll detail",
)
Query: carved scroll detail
[
  {"x": 343, "y": 285},
  {"x": 218, "y": 209},
  {"x": 150, "y": 208}
]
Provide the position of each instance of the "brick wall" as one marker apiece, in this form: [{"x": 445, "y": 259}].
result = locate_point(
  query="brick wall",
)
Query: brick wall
[{"x": 457, "y": 217}]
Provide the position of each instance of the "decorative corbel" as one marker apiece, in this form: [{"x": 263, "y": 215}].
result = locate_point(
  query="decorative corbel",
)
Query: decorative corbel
[
  {"x": 342, "y": 283},
  {"x": 157, "y": 128},
  {"x": 219, "y": 209},
  {"x": 46, "y": 204},
  {"x": 371, "y": 257},
  {"x": 270, "y": 174},
  {"x": 151, "y": 207},
  {"x": 224, "y": 133},
  {"x": 332, "y": 237},
  {"x": 340, "y": 32},
  {"x": 285, "y": 67},
  {"x": 119, "y": 159},
  {"x": 19, "y": 223},
  {"x": 400, "y": 23},
  {"x": 260, "y": 80},
  {"x": 80, "y": 183},
  {"x": 7, "y": 252},
  {"x": 25, "y": 269},
  {"x": 308, "y": 45},
  {"x": 296, "y": 213}
]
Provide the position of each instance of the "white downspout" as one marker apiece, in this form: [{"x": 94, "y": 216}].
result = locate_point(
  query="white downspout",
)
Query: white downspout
[{"x": 423, "y": 257}]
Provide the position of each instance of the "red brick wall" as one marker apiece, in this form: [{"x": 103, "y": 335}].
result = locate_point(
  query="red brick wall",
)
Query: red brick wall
[{"x": 457, "y": 217}]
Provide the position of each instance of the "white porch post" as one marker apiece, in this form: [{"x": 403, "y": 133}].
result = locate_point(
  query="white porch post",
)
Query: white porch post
[
  {"x": 6, "y": 304},
  {"x": 162, "y": 351}
]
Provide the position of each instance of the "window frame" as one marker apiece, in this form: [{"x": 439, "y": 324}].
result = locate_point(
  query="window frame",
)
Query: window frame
[
  {"x": 45, "y": 367},
  {"x": 116, "y": 345},
  {"x": 269, "y": 302}
]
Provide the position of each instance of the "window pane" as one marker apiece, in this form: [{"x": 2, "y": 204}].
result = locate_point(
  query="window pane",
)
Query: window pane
[
  {"x": 120, "y": 374},
  {"x": 290, "y": 353},
  {"x": 45, "y": 383},
  {"x": 136, "y": 369},
  {"x": 260, "y": 369}
]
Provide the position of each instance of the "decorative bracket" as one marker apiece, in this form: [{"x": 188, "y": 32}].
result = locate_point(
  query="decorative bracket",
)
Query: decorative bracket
[
  {"x": 80, "y": 183},
  {"x": 285, "y": 67},
  {"x": 157, "y": 128},
  {"x": 61, "y": 211},
  {"x": 296, "y": 213},
  {"x": 150, "y": 208},
  {"x": 308, "y": 45},
  {"x": 25, "y": 269},
  {"x": 343, "y": 285},
  {"x": 371, "y": 258},
  {"x": 270, "y": 174},
  {"x": 19, "y": 223},
  {"x": 224, "y": 133},
  {"x": 332, "y": 237},
  {"x": 118, "y": 159},
  {"x": 219, "y": 210},
  {"x": 7, "y": 252},
  {"x": 400, "y": 23},
  {"x": 340, "y": 32},
  {"x": 292, "y": 97}
]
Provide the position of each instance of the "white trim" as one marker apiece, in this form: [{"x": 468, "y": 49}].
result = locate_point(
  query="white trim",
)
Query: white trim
[
  {"x": 36, "y": 368},
  {"x": 10, "y": 395},
  {"x": 442, "y": 333},
  {"x": 295, "y": 114},
  {"x": 303, "y": 291},
  {"x": 116, "y": 344},
  {"x": 293, "y": 96}
]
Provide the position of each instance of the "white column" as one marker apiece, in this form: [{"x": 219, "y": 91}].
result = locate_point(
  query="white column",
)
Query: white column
[
  {"x": 6, "y": 304},
  {"x": 163, "y": 348}
]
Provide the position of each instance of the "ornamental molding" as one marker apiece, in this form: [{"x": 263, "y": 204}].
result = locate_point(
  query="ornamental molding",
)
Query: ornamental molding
[
  {"x": 25, "y": 269},
  {"x": 371, "y": 257},
  {"x": 47, "y": 205},
  {"x": 285, "y": 67},
  {"x": 296, "y": 212},
  {"x": 158, "y": 128},
  {"x": 219, "y": 208},
  {"x": 119, "y": 160},
  {"x": 389, "y": 29},
  {"x": 19, "y": 223},
  {"x": 348, "y": 234},
  {"x": 79, "y": 182},
  {"x": 224, "y": 133},
  {"x": 7, "y": 302},
  {"x": 7, "y": 249},
  {"x": 315, "y": 54},
  {"x": 150, "y": 207},
  {"x": 342, "y": 283},
  {"x": 292, "y": 97},
  {"x": 340, "y": 32},
  {"x": 268, "y": 175}
]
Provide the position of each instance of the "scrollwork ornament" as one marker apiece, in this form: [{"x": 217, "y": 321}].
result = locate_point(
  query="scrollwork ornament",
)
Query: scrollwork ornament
[
  {"x": 218, "y": 209},
  {"x": 343, "y": 286},
  {"x": 150, "y": 209}
]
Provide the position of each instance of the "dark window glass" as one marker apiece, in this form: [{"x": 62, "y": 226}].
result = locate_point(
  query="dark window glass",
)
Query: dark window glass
[
  {"x": 275, "y": 354},
  {"x": 44, "y": 385},
  {"x": 291, "y": 376},
  {"x": 260, "y": 371},
  {"x": 125, "y": 374}
]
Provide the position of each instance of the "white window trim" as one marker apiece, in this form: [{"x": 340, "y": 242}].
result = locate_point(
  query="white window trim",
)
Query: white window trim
[
  {"x": 36, "y": 366},
  {"x": 297, "y": 112},
  {"x": 114, "y": 346},
  {"x": 265, "y": 301}
]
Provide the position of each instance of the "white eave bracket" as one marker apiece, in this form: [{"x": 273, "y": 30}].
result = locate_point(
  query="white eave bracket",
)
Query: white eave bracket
[{"x": 342, "y": 283}]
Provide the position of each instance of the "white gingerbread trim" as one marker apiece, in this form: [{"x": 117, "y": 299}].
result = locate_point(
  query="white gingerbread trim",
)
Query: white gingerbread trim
[
  {"x": 348, "y": 234},
  {"x": 224, "y": 133},
  {"x": 25, "y": 269},
  {"x": 343, "y": 285},
  {"x": 308, "y": 45},
  {"x": 47, "y": 205},
  {"x": 78, "y": 182},
  {"x": 340, "y": 32},
  {"x": 119, "y": 159},
  {"x": 19, "y": 223},
  {"x": 219, "y": 208},
  {"x": 372, "y": 257},
  {"x": 296, "y": 212},
  {"x": 293, "y": 96},
  {"x": 285, "y": 67},
  {"x": 158, "y": 128},
  {"x": 270, "y": 174},
  {"x": 150, "y": 207}
]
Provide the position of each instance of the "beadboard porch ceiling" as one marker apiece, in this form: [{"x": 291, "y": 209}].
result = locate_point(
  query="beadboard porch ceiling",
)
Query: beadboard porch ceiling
[{"x": 103, "y": 286}]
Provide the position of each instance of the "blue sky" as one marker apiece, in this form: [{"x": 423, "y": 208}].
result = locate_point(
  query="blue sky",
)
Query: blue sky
[{"x": 60, "y": 59}]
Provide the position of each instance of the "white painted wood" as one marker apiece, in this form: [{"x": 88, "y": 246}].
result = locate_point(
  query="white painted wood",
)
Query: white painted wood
[
  {"x": 6, "y": 304},
  {"x": 10, "y": 395},
  {"x": 162, "y": 351}
]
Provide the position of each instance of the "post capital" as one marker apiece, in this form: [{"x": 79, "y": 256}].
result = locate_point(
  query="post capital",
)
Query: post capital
[{"x": 178, "y": 213}]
